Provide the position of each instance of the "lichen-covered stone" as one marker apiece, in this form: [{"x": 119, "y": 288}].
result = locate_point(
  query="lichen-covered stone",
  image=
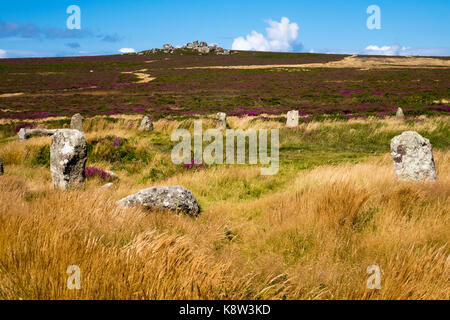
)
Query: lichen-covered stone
[
  {"x": 221, "y": 118},
  {"x": 413, "y": 157},
  {"x": 146, "y": 124},
  {"x": 76, "y": 122},
  {"x": 68, "y": 154},
  {"x": 292, "y": 119},
  {"x": 175, "y": 198}
]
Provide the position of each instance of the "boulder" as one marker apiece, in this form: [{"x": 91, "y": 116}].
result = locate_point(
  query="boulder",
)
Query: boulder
[
  {"x": 76, "y": 122},
  {"x": 399, "y": 115},
  {"x": 413, "y": 157},
  {"x": 68, "y": 154},
  {"x": 203, "y": 50},
  {"x": 146, "y": 124},
  {"x": 292, "y": 119},
  {"x": 174, "y": 198},
  {"x": 221, "y": 118},
  {"x": 1, "y": 167}
]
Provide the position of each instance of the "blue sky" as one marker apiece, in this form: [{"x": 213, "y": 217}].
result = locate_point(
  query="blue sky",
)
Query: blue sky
[{"x": 38, "y": 28}]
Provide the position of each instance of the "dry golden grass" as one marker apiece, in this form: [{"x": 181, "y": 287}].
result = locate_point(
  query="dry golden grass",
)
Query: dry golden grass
[{"x": 313, "y": 238}]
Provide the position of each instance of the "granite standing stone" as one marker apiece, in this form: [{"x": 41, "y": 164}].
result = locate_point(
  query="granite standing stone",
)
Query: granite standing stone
[
  {"x": 68, "y": 154},
  {"x": 413, "y": 157}
]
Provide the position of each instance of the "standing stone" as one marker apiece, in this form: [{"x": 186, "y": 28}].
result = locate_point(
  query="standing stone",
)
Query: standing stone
[
  {"x": 22, "y": 134},
  {"x": 68, "y": 154},
  {"x": 399, "y": 115},
  {"x": 292, "y": 119},
  {"x": 146, "y": 124},
  {"x": 413, "y": 157},
  {"x": 221, "y": 118},
  {"x": 175, "y": 198},
  {"x": 1, "y": 166},
  {"x": 77, "y": 122}
]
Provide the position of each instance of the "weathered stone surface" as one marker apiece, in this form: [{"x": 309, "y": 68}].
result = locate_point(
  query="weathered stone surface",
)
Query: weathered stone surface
[
  {"x": 107, "y": 186},
  {"x": 68, "y": 154},
  {"x": 204, "y": 50},
  {"x": 221, "y": 118},
  {"x": 112, "y": 175},
  {"x": 175, "y": 198},
  {"x": 413, "y": 157},
  {"x": 24, "y": 134},
  {"x": 399, "y": 115},
  {"x": 1, "y": 166},
  {"x": 146, "y": 124},
  {"x": 77, "y": 122},
  {"x": 292, "y": 118}
]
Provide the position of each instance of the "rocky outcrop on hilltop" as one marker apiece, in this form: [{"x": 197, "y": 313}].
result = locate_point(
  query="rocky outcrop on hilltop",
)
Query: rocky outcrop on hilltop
[{"x": 196, "y": 46}]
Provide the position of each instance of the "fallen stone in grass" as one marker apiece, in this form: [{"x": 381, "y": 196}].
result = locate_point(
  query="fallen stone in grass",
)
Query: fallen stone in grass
[
  {"x": 68, "y": 155},
  {"x": 76, "y": 122},
  {"x": 146, "y": 124},
  {"x": 292, "y": 119},
  {"x": 24, "y": 134},
  {"x": 174, "y": 198},
  {"x": 413, "y": 157},
  {"x": 107, "y": 186}
]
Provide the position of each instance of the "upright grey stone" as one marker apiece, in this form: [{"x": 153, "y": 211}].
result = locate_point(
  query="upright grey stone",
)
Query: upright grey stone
[
  {"x": 221, "y": 118},
  {"x": 76, "y": 122},
  {"x": 68, "y": 154},
  {"x": 400, "y": 115},
  {"x": 22, "y": 134},
  {"x": 175, "y": 198},
  {"x": 146, "y": 124},
  {"x": 413, "y": 157},
  {"x": 1, "y": 166},
  {"x": 292, "y": 119}
]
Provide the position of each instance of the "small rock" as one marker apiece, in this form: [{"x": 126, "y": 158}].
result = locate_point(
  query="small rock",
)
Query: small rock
[
  {"x": 175, "y": 198},
  {"x": 221, "y": 118},
  {"x": 146, "y": 124},
  {"x": 413, "y": 157},
  {"x": 68, "y": 154},
  {"x": 112, "y": 175},
  {"x": 76, "y": 122},
  {"x": 400, "y": 115},
  {"x": 292, "y": 119},
  {"x": 107, "y": 186}
]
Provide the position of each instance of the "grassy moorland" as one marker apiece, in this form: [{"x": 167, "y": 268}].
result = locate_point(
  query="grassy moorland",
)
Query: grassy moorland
[
  {"x": 109, "y": 85},
  {"x": 308, "y": 232}
]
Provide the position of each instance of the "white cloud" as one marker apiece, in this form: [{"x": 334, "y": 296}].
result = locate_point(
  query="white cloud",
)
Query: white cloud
[
  {"x": 280, "y": 37},
  {"x": 2, "y": 54},
  {"x": 127, "y": 50},
  {"x": 394, "y": 50},
  {"x": 398, "y": 50}
]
